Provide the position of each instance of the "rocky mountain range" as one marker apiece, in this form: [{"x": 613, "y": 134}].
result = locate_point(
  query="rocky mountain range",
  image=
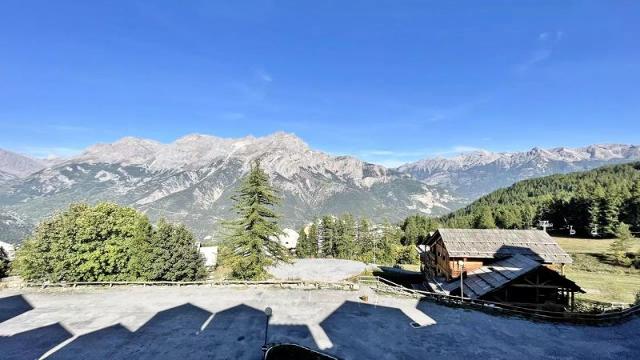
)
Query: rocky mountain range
[
  {"x": 192, "y": 179},
  {"x": 14, "y": 166},
  {"x": 471, "y": 175}
]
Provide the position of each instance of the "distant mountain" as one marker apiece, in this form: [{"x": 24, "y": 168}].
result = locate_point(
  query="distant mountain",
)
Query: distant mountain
[
  {"x": 13, "y": 228},
  {"x": 192, "y": 179},
  {"x": 474, "y": 174},
  {"x": 594, "y": 200},
  {"x": 13, "y": 166}
]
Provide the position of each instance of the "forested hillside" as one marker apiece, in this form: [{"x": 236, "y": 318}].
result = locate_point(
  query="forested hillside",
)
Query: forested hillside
[{"x": 592, "y": 202}]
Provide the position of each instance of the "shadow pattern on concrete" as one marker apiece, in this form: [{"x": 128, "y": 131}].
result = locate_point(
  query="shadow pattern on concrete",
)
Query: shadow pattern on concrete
[{"x": 357, "y": 331}]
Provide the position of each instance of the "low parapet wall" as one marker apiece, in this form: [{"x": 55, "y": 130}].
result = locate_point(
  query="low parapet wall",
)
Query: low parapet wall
[{"x": 296, "y": 284}]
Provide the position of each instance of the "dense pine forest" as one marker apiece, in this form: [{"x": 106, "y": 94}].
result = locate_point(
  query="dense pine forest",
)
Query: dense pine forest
[{"x": 594, "y": 203}]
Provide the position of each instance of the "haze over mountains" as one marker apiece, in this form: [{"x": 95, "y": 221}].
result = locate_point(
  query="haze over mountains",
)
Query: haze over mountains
[{"x": 191, "y": 180}]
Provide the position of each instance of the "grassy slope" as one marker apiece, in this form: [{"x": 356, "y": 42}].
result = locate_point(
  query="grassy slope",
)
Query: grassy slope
[{"x": 596, "y": 275}]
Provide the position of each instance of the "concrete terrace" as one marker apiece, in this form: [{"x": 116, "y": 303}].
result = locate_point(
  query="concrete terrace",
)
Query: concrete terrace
[{"x": 228, "y": 323}]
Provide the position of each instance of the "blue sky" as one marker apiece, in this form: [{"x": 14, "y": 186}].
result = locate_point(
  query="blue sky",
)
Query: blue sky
[{"x": 388, "y": 81}]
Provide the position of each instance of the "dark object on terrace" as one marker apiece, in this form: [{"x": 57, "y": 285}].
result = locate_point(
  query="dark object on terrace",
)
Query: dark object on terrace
[{"x": 295, "y": 352}]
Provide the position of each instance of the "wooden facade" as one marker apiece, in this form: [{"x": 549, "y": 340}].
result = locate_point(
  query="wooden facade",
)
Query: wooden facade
[{"x": 447, "y": 266}]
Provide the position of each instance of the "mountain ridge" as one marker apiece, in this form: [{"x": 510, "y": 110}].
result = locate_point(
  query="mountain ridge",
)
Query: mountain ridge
[{"x": 192, "y": 178}]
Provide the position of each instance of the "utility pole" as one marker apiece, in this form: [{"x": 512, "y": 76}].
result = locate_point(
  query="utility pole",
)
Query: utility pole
[
  {"x": 461, "y": 264},
  {"x": 265, "y": 347}
]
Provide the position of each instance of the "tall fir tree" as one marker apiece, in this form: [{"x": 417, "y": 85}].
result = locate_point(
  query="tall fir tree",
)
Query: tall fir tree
[
  {"x": 610, "y": 214},
  {"x": 303, "y": 247},
  {"x": 312, "y": 237},
  {"x": 385, "y": 247},
  {"x": 484, "y": 219},
  {"x": 364, "y": 241},
  {"x": 252, "y": 238},
  {"x": 632, "y": 207},
  {"x": 622, "y": 244},
  {"x": 346, "y": 235},
  {"x": 328, "y": 226}
]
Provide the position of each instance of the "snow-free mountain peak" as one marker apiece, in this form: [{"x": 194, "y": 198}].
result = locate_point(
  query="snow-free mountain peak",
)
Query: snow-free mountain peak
[
  {"x": 17, "y": 165},
  {"x": 474, "y": 174}
]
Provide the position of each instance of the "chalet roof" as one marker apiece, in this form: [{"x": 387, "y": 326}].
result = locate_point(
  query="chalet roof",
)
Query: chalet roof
[
  {"x": 494, "y": 276},
  {"x": 488, "y": 278},
  {"x": 494, "y": 243}
]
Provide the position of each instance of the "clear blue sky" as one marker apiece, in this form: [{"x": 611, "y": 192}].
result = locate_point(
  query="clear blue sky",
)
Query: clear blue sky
[{"x": 388, "y": 81}]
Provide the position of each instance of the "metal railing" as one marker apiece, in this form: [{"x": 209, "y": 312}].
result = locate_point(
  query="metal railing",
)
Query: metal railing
[{"x": 388, "y": 286}]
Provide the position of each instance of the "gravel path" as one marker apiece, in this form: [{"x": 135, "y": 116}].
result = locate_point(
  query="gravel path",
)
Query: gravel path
[{"x": 228, "y": 323}]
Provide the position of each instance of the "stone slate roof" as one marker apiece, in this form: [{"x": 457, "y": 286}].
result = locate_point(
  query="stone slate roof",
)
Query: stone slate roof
[
  {"x": 491, "y": 277},
  {"x": 488, "y": 278},
  {"x": 493, "y": 243}
]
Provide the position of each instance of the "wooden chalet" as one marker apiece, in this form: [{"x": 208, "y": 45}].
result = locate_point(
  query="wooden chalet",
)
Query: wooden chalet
[{"x": 511, "y": 266}]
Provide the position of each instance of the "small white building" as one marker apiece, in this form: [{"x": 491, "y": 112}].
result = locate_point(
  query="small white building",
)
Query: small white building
[
  {"x": 289, "y": 239},
  {"x": 210, "y": 254}
]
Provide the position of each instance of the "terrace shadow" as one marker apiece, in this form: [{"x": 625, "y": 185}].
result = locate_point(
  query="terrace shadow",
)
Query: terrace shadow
[
  {"x": 32, "y": 344},
  {"x": 13, "y": 306},
  {"x": 186, "y": 332}
]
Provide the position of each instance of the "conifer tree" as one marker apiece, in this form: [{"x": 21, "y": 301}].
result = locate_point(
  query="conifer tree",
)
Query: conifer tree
[
  {"x": 610, "y": 215},
  {"x": 364, "y": 241},
  {"x": 328, "y": 236},
  {"x": 622, "y": 244},
  {"x": 345, "y": 239},
  {"x": 252, "y": 240},
  {"x": 386, "y": 245},
  {"x": 174, "y": 255},
  {"x": 303, "y": 247},
  {"x": 632, "y": 208},
  {"x": 484, "y": 219},
  {"x": 312, "y": 237}
]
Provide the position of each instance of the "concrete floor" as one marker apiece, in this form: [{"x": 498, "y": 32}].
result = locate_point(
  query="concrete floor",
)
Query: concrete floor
[{"x": 228, "y": 323}]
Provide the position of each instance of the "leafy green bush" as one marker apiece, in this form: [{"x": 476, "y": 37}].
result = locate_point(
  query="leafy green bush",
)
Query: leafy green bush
[
  {"x": 407, "y": 255},
  {"x": 175, "y": 256},
  {"x": 105, "y": 242}
]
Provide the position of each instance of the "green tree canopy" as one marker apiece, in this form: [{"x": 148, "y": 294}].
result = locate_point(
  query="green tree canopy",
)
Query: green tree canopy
[
  {"x": 594, "y": 201},
  {"x": 304, "y": 246},
  {"x": 252, "y": 238},
  {"x": 622, "y": 244},
  {"x": 174, "y": 255},
  {"x": 105, "y": 242}
]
